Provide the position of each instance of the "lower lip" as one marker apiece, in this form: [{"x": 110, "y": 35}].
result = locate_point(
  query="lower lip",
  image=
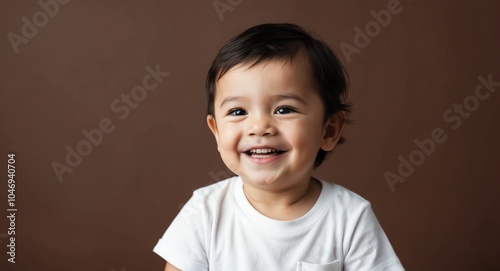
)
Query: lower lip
[{"x": 265, "y": 160}]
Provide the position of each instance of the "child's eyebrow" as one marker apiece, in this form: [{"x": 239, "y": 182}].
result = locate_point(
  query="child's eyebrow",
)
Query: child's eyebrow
[
  {"x": 277, "y": 97},
  {"x": 229, "y": 99},
  {"x": 290, "y": 96}
]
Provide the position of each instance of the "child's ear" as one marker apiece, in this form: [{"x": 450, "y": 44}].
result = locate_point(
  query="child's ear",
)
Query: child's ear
[
  {"x": 213, "y": 127},
  {"x": 332, "y": 131}
]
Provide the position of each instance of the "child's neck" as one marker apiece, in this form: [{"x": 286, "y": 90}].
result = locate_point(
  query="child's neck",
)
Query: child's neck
[{"x": 287, "y": 204}]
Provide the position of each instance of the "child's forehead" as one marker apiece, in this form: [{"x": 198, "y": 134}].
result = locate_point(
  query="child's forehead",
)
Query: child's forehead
[
  {"x": 269, "y": 78},
  {"x": 296, "y": 66}
]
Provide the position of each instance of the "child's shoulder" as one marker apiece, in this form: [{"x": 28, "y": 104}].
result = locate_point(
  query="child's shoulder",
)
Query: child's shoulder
[
  {"x": 207, "y": 198},
  {"x": 215, "y": 189},
  {"x": 342, "y": 197}
]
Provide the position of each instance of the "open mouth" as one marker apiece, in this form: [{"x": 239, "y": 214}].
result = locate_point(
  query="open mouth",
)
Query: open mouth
[{"x": 263, "y": 152}]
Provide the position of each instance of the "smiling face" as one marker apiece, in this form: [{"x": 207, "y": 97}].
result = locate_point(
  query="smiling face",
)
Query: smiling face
[{"x": 268, "y": 122}]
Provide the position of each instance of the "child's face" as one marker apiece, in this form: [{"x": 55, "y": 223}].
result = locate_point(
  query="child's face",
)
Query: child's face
[{"x": 272, "y": 106}]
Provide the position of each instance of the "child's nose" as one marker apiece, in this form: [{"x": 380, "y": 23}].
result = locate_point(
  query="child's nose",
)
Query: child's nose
[{"x": 261, "y": 125}]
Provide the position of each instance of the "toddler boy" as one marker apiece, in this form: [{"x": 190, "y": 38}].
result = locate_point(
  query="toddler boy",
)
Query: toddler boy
[{"x": 276, "y": 107}]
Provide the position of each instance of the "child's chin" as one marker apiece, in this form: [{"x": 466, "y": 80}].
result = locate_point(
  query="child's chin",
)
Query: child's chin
[{"x": 262, "y": 180}]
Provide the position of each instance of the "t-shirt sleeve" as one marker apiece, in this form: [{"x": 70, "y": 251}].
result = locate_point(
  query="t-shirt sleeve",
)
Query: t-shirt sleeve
[
  {"x": 183, "y": 244},
  {"x": 368, "y": 247}
]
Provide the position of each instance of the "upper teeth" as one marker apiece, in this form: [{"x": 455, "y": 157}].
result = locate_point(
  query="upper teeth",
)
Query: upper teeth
[{"x": 262, "y": 150}]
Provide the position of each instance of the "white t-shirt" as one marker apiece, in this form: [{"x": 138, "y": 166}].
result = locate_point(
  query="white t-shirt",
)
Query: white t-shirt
[{"x": 218, "y": 229}]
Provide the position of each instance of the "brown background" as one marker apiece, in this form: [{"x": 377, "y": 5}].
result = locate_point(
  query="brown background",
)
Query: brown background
[{"x": 109, "y": 212}]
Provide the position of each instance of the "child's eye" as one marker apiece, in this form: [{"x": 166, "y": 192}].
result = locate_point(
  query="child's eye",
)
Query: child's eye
[
  {"x": 237, "y": 112},
  {"x": 286, "y": 109}
]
